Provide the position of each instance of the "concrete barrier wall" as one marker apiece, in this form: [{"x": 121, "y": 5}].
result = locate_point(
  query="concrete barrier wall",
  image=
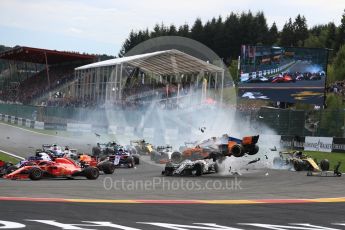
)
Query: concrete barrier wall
[{"x": 310, "y": 143}]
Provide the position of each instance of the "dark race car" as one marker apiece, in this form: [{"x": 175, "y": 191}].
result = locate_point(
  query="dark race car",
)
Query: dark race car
[
  {"x": 104, "y": 165},
  {"x": 113, "y": 149},
  {"x": 122, "y": 158},
  {"x": 6, "y": 168},
  {"x": 190, "y": 168}
]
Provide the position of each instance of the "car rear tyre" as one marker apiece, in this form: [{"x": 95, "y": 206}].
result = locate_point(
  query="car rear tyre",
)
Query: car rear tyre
[
  {"x": 197, "y": 170},
  {"x": 237, "y": 150},
  {"x": 108, "y": 168},
  {"x": 254, "y": 150},
  {"x": 298, "y": 166},
  {"x": 91, "y": 173},
  {"x": 130, "y": 162},
  {"x": 176, "y": 157},
  {"x": 136, "y": 159},
  {"x": 96, "y": 151},
  {"x": 324, "y": 165},
  {"x": 35, "y": 174}
]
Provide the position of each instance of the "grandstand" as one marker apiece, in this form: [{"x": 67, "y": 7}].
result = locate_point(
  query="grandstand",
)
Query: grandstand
[
  {"x": 167, "y": 75},
  {"x": 33, "y": 72},
  {"x": 55, "y": 78}
]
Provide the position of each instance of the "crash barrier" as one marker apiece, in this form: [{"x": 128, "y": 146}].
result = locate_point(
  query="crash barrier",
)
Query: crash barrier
[
  {"x": 17, "y": 120},
  {"x": 311, "y": 143},
  {"x": 325, "y": 123}
]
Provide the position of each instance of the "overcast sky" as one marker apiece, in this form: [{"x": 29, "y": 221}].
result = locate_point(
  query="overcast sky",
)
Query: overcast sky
[{"x": 101, "y": 26}]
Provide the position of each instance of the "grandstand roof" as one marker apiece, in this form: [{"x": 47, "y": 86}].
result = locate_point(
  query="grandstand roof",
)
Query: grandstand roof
[
  {"x": 160, "y": 62},
  {"x": 35, "y": 55}
]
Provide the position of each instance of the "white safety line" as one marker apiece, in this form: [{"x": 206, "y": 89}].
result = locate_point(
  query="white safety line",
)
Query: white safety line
[
  {"x": 12, "y": 155},
  {"x": 44, "y": 134}
]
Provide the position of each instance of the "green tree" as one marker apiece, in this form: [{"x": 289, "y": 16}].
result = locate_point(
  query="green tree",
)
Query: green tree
[
  {"x": 339, "y": 64},
  {"x": 340, "y": 36},
  {"x": 184, "y": 31},
  {"x": 197, "y": 30},
  {"x": 261, "y": 28},
  {"x": 331, "y": 35},
  {"x": 172, "y": 30},
  {"x": 287, "y": 34},
  {"x": 300, "y": 30},
  {"x": 313, "y": 42},
  {"x": 273, "y": 35}
]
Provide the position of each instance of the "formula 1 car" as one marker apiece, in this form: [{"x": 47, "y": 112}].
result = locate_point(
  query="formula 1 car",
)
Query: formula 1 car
[
  {"x": 105, "y": 148},
  {"x": 217, "y": 148},
  {"x": 59, "y": 168},
  {"x": 190, "y": 168},
  {"x": 257, "y": 80},
  {"x": 6, "y": 168},
  {"x": 162, "y": 154},
  {"x": 300, "y": 162},
  {"x": 112, "y": 148},
  {"x": 283, "y": 78},
  {"x": 142, "y": 147},
  {"x": 334, "y": 173},
  {"x": 104, "y": 165},
  {"x": 122, "y": 158},
  {"x": 58, "y": 151}
]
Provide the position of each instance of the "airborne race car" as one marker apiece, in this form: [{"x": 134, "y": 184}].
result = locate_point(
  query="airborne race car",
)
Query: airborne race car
[
  {"x": 59, "y": 168},
  {"x": 216, "y": 148}
]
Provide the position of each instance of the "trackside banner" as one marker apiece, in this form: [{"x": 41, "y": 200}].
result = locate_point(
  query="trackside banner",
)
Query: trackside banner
[
  {"x": 292, "y": 142},
  {"x": 322, "y": 144},
  {"x": 338, "y": 145}
]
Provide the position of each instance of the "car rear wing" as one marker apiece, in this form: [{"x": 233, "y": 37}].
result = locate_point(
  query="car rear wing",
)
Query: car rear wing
[
  {"x": 247, "y": 140},
  {"x": 164, "y": 147}
]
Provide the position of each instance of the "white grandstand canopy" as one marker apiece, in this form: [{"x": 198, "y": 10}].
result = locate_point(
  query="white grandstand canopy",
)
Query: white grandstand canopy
[{"x": 161, "y": 62}]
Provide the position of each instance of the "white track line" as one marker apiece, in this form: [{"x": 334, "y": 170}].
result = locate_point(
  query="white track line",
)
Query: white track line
[
  {"x": 12, "y": 155},
  {"x": 13, "y": 126}
]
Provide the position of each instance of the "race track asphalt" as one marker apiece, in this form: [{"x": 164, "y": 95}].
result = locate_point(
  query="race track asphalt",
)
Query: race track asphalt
[
  {"x": 145, "y": 182},
  {"x": 34, "y": 215}
]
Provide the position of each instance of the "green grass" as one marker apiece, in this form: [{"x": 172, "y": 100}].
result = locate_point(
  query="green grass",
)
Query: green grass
[
  {"x": 333, "y": 158},
  {"x": 7, "y": 158}
]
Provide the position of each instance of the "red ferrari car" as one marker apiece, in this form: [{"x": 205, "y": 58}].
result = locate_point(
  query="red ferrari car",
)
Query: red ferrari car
[
  {"x": 59, "y": 168},
  {"x": 283, "y": 79}
]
